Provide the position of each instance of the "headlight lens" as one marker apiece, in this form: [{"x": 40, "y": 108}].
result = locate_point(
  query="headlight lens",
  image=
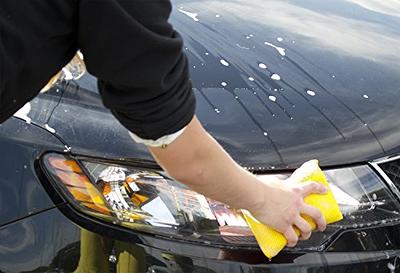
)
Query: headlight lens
[{"x": 149, "y": 201}]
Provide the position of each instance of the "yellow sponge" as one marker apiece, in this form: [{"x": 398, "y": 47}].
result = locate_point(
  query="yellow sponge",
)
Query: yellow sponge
[{"x": 272, "y": 242}]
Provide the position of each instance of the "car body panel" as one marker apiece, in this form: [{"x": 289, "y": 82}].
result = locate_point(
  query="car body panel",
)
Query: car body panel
[
  {"x": 21, "y": 192},
  {"x": 337, "y": 90},
  {"x": 337, "y": 99}
]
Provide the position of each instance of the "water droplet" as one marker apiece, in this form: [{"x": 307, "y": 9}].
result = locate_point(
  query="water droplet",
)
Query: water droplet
[
  {"x": 272, "y": 98},
  {"x": 217, "y": 110},
  {"x": 251, "y": 79},
  {"x": 387, "y": 243},
  {"x": 236, "y": 97},
  {"x": 262, "y": 66},
  {"x": 25, "y": 166},
  {"x": 206, "y": 53},
  {"x": 223, "y": 62},
  {"x": 276, "y": 77},
  {"x": 280, "y": 39},
  {"x": 333, "y": 76},
  {"x": 374, "y": 197},
  {"x": 265, "y": 134},
  {"x": 311, "y": 93},
  {"x": 391, "y": 267},
  {"x": 112, "y": 259},
  {"x": 224, "y": 84},
  {"x": 194, "y": 66},
  {"x": 276, "y": 90},
  {"x": 365, "y": 124},
  {"x": 217, "y": 15},
  {"x": 365, "y": 96}
]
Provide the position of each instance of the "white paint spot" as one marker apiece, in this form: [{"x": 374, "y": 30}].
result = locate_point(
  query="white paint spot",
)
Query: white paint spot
[
  {"x": 365, "y": 96},
  {"x": 272, "y": 98},
  {"x": 280, "y": 50},
  {"x": 280, "y": 39},
  {"x": 48, "y": 128},
  {"x": 311, "y": 93},
  {"x": 251, "y": 79},
  {"x": 262, "y": 66},
  {"x": 189, "y": 14},
  {"x": 23, "y": 113},
  {"x": 224, "y": 84},
  {"x": 223, "y": 62},
  {"x": 276, "y": 77}
]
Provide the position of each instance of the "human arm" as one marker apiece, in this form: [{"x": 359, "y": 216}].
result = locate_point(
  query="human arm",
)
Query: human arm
[{"x": 197, "y": 160}]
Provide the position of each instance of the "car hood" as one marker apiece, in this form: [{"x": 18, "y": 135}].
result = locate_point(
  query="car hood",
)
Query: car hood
[{"x": 277, "y": 83}]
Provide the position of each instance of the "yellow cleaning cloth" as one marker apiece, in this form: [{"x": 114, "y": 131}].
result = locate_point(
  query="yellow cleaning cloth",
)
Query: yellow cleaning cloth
[{"x": 272, "y": 242}]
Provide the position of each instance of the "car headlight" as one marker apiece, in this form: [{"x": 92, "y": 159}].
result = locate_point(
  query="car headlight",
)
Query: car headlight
[{"x": 149, "y": 201}]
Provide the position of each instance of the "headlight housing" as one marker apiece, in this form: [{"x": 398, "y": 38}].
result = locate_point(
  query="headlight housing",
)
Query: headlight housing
[{"x": 148, "y": 201}]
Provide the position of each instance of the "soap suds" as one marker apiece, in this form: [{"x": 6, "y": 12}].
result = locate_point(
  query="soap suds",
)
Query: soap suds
[
  {"x": 262, "y": 66},
  {"x": 50, "y": 129},
  {"x": 311, "y": 93},
  {"x": 276, "y": 77},
  {"x": 189, "y": 14},
  {"x": 272, "y": 98},
  {"x": 23, "y": 113},
  {"x": 223, "y": 62},
  {"x": 279, "y": 49}
]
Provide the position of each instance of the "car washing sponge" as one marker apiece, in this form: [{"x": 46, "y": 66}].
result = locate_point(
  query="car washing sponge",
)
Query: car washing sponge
[{"x": 272, "y": 242}]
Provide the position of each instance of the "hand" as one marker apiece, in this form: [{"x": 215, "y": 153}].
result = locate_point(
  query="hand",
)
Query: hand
[{"x": 282, "y": 206}]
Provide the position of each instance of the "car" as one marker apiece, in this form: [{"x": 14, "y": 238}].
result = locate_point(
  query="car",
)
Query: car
[{"x": 277, "y": 83}]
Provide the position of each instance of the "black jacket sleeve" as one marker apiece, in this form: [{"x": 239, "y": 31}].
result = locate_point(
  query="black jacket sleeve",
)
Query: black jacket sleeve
[{"x": 137, "y": 56}]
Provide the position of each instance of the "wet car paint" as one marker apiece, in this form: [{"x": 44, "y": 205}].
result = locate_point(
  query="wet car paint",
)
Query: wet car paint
[
  {"x": 340, "y": 71},
  {"x": 272, "y": 90},
  {"x": 21, "y": 192}
]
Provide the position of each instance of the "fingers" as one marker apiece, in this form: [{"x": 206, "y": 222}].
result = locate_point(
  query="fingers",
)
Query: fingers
[
  {"x": 291, "y": 237},
  {"x": 315, "y": 214},
  {"x": 304, "y": 227},
  {"x": 312, "y": 187}
]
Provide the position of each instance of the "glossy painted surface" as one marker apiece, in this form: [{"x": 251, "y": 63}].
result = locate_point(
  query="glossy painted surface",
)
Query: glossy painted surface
[
  {"x": 304, "y": 79},
  {"x": 344, "y": 53},
  {"x": 21, "y": 193}
]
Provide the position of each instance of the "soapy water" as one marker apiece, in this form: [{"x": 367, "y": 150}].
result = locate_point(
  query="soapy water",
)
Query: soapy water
[
  {"x": 276, "y": 77},
  {"x": 262, "y": 66},
  {"x": 191, "y": 15},
  {"x": 280, "y": 50},
  {"x": 23, "y": 113},
  {"x": 311, "y": 93},
  {"x": 224, "y": 62},
  {"x": 50, "y": 129}
]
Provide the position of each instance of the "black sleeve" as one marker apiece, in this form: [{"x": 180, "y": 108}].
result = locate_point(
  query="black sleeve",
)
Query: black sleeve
[{"x": 137, "y": 56}]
